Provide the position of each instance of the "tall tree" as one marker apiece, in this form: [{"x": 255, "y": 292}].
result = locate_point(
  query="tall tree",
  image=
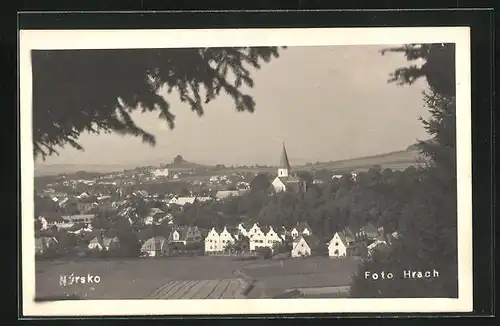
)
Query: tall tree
[
  {"x": 76, "y": 91},
  {"x": 429, "y": 217},
  {"x": 261, "y": 182}
]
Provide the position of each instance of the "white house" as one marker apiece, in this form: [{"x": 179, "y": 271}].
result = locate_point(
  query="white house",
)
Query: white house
[
  {"x": 103, "y": 243},
  {"x": 223, "y": 194},
  {"x": 185, "y": 234},
  {"x": 254, "y": 229},
  {"x": 44, "y": 222},
  {"x": 212, "y": 241},
  {"x": 302, "y": 228},
  {"x": 160, "y": 173},
  {"x": 272, "y": 238},
  {"x": 83, "y": 195},
  {"x": 243, "y": 229},
  {"x": 203, "y": 199},
  {"x": 257, "y": 237},
  {"x": 181, "y": 201},
  {"x": 225, "y": 238},
  {"x": 154, "y": 246},
  {"x": 337, "y": 247},
  {"x": 307, "y": 245}
]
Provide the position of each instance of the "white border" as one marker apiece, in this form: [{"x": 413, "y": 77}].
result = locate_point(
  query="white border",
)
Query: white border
[{"x": 102, "y": 39}]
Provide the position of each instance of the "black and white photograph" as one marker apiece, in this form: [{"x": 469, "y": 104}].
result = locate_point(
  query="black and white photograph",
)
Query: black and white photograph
[{"x": 246, "y": 171}]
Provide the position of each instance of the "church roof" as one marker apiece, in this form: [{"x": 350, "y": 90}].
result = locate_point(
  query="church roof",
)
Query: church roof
[{"x": 284, "y": 163}]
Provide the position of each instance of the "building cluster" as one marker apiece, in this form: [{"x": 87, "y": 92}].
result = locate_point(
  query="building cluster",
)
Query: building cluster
[
  {"x": 81, "y": 209},
  {"x": 301, "y": 239}
]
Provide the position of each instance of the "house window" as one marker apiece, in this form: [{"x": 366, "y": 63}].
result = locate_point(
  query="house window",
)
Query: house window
[
  {"x": 336, "y": 243},
  {"x": 302, "y": 245},
  {"x": 336, "y": 252}
]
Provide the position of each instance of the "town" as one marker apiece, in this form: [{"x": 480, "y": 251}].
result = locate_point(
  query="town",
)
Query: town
[
  {"x": 194, "y": 214},
  {"x": 146, "y": 180}
]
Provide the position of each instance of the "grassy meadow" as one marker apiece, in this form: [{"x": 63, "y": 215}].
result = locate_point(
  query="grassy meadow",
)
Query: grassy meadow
[{"x": 189, "y": 277}]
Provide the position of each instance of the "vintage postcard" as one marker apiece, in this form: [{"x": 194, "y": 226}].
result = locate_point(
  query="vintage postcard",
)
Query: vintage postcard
[{"x": 245, "y": 171}]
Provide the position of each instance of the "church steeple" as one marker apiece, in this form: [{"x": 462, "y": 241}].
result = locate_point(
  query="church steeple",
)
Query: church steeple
[{"x": 284, "y": 167}]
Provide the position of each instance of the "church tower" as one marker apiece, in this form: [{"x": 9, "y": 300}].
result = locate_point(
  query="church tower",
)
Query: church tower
[{"x": 284, "y": 168}]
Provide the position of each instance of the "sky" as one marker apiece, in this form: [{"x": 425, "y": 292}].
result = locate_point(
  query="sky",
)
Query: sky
[{"x": 326, "y": 103}]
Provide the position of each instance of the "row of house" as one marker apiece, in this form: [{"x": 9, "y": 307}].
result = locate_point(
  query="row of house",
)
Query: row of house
[
  {"x": 254, "y": 235},
  {"x": 303, "y": 241}
]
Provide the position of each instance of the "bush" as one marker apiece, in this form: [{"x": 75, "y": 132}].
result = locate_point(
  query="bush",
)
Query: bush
[
  {"x": 264, "y": 252},
  {"x": 282, "y": 248}
]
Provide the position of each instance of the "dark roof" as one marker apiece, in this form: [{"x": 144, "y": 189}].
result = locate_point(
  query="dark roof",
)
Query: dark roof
[
  {"x": 87, "y": 200},
  {"x": 145, "y": 234},
  {"x": 312, "y": 241},
  {"x": 301, "y": 226},
  {"x": 348, "y": 235},
  {"x": 183, "y": 231},
  {"x": 370, "y": 228},
  {"x": 342, "y": 238},
  {"x": 77, "y": 227},
  {"x": 92, "y": 234},
  {"x": 264, "y": 229},
  {"x": 284, "y": 163},
  {"x": 247, "y": 225}
]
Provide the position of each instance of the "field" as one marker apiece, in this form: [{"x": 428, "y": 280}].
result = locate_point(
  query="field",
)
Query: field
[
  {"x": 190, "y": 277},
  {"x": 309, "y": 273}
]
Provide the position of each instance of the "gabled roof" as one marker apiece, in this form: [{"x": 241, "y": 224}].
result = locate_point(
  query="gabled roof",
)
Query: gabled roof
[
  {"x": 182, "y": 200},
  {"x": 183, "y": 231},
  {"x": 91, "y": 235},
  {"x": 145, "y": 233},
  {"x": 227, "y": 193},
  {"x": 77, "y": 227},
  {"x": 153, "y": 242},
  {"x": 247, "y": 225},
  {"x": 342, "y": 238},
  {"x": 154, "y": 211},
  {"x": 284, "y": 163},
  {"x": 312, "y": 241},
  {"x": 104, "y": 241},
  {"x": 349, "y": 235},
  {"x": 370, "y": 228},
  {"x": 87, "y": 200},
  {"x": 301, "y": 226},
  {"x": 232, "y": 229}
]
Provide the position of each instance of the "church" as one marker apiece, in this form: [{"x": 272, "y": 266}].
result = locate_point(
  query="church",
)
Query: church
[{"x": 286, "y": 179}]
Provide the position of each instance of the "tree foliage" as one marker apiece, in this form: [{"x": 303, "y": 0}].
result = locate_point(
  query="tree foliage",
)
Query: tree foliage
[
  {"x": 77, "y": 91},
  {"x": 438, "y": 67},
  {"x": 429, "y": 218}
]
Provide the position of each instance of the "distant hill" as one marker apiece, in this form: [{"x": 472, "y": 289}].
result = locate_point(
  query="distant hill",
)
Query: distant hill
[
  {"x": 397, "y": 160},
  {"x": 185, "y": 165},
  {"x": 55, "y": 169}
]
